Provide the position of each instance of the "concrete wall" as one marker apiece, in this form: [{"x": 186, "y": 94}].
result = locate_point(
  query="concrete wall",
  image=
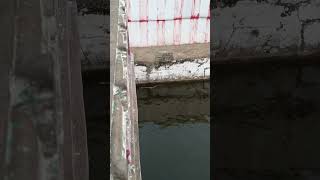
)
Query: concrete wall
[
  {"x": 94, "y": 7},
  {"x": 124, "y": 132},
  {"x": 94, "y": 31},
  {"x": 263, "y": 28},
  {"x": 157, "y": 63},
  {"x": 173, "y": 71}
]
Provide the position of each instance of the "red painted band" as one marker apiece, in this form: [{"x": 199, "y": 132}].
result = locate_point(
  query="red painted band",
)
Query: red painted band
[{"x": 174, "y": 19}]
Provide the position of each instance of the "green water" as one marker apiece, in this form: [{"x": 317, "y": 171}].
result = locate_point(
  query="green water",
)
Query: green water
[
  {"x": 174, "y": 131},
  {"x": 174, "y": 153}
]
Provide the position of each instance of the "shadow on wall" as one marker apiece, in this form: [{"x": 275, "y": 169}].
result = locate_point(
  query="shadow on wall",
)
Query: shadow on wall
[{"x": 266, "y": 121}]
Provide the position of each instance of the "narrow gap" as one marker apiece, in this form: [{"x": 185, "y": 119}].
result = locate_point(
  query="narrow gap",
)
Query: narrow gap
[
  {"x": 96, "y": 101},
  {"x": 93, "y": 24}
]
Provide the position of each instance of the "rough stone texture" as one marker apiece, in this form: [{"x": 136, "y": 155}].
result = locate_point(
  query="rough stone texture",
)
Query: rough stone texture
[
  {"x": 149, "y": 55},
  {"x": 45, "y": 93},
  {"x": 94, "y": 7},
  {"x": 172, "y": 63},
  {"x": 124, "y": 135},
  {"x": 170, "y": 70},
  {"x": 312, "y": 36},
  {"x": 94, "y": 38},
  {"x": 252, "y": 28},
  {"x": 94, "y": 29}
]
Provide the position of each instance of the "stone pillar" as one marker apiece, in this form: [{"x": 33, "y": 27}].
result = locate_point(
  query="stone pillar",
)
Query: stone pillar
[
  {"x": 124, "y": 141},
  {"x": 44, "y": 125}
]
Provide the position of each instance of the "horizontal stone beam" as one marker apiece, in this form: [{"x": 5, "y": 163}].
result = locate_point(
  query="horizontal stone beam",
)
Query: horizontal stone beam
[
  {"x": 173, "y": 71},
  {"x": 172, "y": 63}
]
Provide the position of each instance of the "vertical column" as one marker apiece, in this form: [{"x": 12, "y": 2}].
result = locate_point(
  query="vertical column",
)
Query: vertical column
[
  {"x": 124, "y": 140},
  {"x": 45, "y": 137}
]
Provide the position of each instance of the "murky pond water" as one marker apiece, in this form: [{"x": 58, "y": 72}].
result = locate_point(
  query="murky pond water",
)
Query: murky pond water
[
  {"x": 174, "y": 131},
  {"x": 266, "y": 121}
]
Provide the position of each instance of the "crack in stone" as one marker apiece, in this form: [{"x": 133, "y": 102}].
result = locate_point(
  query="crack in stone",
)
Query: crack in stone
[{"x": 229, "y": 40}]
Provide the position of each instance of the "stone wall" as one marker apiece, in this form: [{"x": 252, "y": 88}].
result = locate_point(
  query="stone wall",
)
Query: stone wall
[
  {"x": 264, "y": 28},
  {"x": 94, "y": 39}
]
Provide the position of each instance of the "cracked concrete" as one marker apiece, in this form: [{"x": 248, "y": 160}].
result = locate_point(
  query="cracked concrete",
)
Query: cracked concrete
[{"x": 252, "y": 28}]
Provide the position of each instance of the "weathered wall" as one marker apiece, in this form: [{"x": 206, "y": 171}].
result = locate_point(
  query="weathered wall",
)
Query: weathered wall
[
  {"x": 174, "y": 22},
  {"x": 94, "y": 33},
  {"x": 157, "y": 63},
  {"x": 94, "y": 38},
  {"x": 124, "y": 132},
  {"x": 45, "y": 132},
  {"x": 94, "y": 29},
  {"x": 94, "y": 7},
  {"x": 259, "y": 28},
  {"x": 172, "y": 63},
  {"x": 173, "y": 71}
]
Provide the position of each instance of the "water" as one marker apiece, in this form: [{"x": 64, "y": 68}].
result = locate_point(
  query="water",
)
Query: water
[
  {"x": 177, "y": 152},
  {"x": 174, "y": 131},
  {"x": 266, "y": 121}
]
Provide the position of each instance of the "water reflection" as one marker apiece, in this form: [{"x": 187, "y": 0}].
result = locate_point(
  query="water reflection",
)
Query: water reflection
[{"x": 174, "y": 131}]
